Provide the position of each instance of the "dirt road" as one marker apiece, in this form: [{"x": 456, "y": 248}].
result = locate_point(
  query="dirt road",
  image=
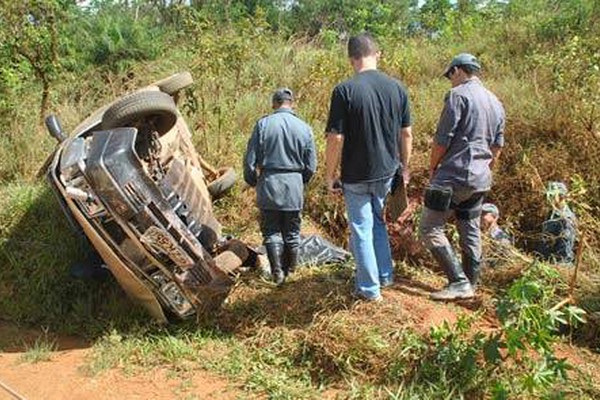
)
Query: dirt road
[{"x": 63, "y": 376}]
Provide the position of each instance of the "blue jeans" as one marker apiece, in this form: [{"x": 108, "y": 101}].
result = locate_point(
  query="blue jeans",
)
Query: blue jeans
[{"x": 369, "y": 241}]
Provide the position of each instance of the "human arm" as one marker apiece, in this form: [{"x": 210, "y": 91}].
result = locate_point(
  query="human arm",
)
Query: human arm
[
  {"x": 309, "y": 159},
  {"x": 405, "y": 137},
  {"x": 495, "y": 155},
  {"x": 437, "y": 154},
  {"x": 498, "y": 142},
  {"x": 406, "y": 140},
  {"x": 334, "y": 139},
  {"x": 446, "y": 130},
  {"x": 251, "y": 159},
  {"x": 333, "y": 152}
]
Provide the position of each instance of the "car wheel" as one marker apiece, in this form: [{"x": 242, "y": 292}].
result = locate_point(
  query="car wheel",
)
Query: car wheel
[
  {"x": 147, "y": 106},
  {"x": 175, "y": 83},
  {"x": 224, "y": 181}
]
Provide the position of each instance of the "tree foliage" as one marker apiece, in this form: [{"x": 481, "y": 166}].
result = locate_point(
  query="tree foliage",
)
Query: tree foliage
[
  {"x": 29, "y": 42},
  {"x": 541, "y": 57}
]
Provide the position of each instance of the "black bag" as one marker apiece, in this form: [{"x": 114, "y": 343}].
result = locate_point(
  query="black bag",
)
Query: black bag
[
  {"x": 438, "y": 198},
  {"x": 397, "y": 200}
]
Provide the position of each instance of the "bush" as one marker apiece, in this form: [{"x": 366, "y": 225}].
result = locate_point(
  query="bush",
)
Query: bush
[{"x": 116, "y": 40}]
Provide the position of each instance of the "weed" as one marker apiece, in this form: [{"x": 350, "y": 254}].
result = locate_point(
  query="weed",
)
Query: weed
[
  {"x": 362, "y": 351},
  {"x": 41, "y": 349},
  {"x": 107, "y": 354},
  {"x": 529, "y": 326}
]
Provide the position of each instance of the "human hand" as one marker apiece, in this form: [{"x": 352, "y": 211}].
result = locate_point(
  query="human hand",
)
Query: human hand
[
  {"x": 334, "y": 186},
  {"x": 406, "y": 175}
]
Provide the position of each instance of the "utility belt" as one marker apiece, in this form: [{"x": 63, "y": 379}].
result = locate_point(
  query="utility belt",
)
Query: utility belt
[
  {"x": 282, "y": 170},
  {"x": 440, "y": 199}
]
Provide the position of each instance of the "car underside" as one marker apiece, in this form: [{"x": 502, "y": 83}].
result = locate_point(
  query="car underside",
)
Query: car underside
[{"x": 129, "y": 178}]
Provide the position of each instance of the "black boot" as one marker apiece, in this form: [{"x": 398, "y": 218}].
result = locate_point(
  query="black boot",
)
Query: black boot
[
  {"x": 459, "y": 286},
  {"x": 275, "y": 253},
  {"x": 290, "y": 260},
  {"x": 472, "y": 268}
]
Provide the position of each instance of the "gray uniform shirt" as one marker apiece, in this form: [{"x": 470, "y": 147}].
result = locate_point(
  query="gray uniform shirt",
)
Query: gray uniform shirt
[
  {"x": 471, "y": 123},
  {"x": 279, "y": 160}
]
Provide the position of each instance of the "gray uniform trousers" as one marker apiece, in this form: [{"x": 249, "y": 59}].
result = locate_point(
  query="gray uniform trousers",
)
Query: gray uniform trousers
[{"x": 466, "y": 206}]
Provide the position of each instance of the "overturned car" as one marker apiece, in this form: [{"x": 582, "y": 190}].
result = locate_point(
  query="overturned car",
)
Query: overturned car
[{"x": 128, "y": 178}]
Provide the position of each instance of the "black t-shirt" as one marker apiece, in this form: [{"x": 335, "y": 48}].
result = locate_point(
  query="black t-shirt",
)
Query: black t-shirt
[{"x": 369, "y": 110}]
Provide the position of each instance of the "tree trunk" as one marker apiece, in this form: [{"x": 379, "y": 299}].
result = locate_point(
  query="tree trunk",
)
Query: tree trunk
[{"x": 44, "y": 104}]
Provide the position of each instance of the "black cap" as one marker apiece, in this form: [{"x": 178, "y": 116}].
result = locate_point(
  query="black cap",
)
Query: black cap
[{"x": 283, "y": 94}]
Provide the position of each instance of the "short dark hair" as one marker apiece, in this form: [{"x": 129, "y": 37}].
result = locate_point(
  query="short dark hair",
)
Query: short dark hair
[
  {"x": 362, "y": 45},
  {"x": 282, "y": 95}
]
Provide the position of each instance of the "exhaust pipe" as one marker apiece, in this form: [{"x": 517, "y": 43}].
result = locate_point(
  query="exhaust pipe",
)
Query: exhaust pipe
[
  {"x": 55, "y": 129},
  {"x": 78, "y": 194}
]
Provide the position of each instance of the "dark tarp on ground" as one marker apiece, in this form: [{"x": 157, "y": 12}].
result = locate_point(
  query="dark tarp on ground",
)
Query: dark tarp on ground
[{"x": 314, "y": 250}]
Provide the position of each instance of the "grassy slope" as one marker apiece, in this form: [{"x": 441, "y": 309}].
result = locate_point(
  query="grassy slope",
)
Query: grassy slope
[{"x": 303, "y": 340}]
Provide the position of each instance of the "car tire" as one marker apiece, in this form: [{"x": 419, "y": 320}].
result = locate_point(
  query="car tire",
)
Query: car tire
[
  {"x": 175, "y": 83},
  {"x": 223, "y": 183},
  {"x": 144, "y": 105}
]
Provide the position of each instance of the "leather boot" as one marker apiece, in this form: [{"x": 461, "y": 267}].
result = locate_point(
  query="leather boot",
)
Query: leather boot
[
  {"x": 472, "y": 268},
  {"x": 290, "y": 260},
  {"x": 275, "y": 253},
  {"x": 459, "y": 286}
]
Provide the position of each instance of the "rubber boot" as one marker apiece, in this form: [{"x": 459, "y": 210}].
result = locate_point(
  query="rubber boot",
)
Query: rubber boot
[
  {"x": 472, "y": 268},
  {"x": 459, "y": 286},
  {"x": 290, "y": 260},
  {"x": 275, "y": 253}
]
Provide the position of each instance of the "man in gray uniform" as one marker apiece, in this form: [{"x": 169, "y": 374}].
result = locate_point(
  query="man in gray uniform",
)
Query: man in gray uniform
[
  {"x": 279, "y": 160},
  {"x": 468, "y": 141}
]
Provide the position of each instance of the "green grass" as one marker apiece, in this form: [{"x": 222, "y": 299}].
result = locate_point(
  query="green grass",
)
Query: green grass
[
  {"x": 184, "y": 350},
  {"x": 307, "y": 347},
  {"x": 37, "y": 248},
  {"x": 306, "y": 340},
  {"x": 41, "y": 350},
  {"x": 309, "y": 339}
]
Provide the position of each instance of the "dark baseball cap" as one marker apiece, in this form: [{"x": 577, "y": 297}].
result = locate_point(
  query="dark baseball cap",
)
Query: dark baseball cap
[
  {"x": 283, "y": 94},
  {"x": 463, "y": 59}
]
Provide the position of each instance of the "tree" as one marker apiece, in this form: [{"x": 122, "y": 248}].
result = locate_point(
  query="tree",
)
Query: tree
[
  {"x": 434, "y": 15},
  {"x": 29, "y": 34},
  {"x": 380, "y": 17}
]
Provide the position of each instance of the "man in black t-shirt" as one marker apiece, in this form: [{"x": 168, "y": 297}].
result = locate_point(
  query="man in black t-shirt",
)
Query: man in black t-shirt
[{"x": 369, "y": 126}]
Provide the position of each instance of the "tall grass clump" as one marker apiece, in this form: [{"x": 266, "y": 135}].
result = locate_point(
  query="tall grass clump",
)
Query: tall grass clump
[{"x": 37, "y": 248}]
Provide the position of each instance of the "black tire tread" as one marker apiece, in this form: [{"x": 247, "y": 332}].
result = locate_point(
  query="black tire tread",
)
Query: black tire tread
[
  {"x": 141, "y": 104},
  {"x": 176, "y": 82},
  {"x": 225, "y": 181}
]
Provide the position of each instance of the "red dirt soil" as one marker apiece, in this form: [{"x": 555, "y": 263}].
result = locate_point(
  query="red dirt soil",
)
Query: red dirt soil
[
  {"x": 63, "y": 378},
  {"x": 405, "y": 303}
]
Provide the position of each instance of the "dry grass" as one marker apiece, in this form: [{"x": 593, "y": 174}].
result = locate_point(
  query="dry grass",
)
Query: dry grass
[{"x": 311, "y": 331}]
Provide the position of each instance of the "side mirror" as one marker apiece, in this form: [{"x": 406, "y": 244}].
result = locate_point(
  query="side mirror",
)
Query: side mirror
[{"x": 55, "y": 129}]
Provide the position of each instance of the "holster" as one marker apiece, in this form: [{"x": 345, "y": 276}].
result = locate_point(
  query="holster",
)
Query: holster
[
  {"x": 438, "y": 198},
  {"x": 470, "y": 208}
]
